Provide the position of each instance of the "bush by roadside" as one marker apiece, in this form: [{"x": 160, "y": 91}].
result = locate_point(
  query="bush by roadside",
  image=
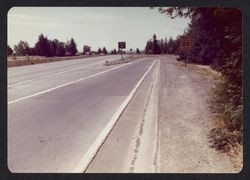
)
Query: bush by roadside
[{"x": 227, "y": 137}]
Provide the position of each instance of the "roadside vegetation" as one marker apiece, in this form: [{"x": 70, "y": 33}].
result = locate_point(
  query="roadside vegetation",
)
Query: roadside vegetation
[
  {"x": 217, "y": 41},
  {"x": 162, "y": 46}
]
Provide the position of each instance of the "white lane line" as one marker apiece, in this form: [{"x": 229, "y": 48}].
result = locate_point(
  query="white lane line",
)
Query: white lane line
[
  {"x": 90, "y": 154},
  {"x": 66, "y": 84},
  {"x": 41, "y": 77}
]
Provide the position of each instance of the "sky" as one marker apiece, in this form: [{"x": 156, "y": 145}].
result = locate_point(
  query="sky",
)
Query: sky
[{"x": 93, "y": 26}]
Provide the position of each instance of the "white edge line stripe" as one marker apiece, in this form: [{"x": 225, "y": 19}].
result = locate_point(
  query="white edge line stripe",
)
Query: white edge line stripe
[
  {"x": 22, "y": 82},
  {"x": 48, "y": 75},
  {"x": 90, "y": 154},
  {"x": 66, "y": 84}
]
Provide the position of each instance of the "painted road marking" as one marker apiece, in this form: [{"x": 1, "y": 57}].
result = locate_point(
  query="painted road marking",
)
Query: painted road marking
[
  {"x": 41, "y": 77},
  {"x": 90, "y": 154},
  {"x": 66, "y": 84}
]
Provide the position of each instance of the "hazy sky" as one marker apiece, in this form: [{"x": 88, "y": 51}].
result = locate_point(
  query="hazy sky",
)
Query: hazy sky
[{"x": 93, "y": 26}]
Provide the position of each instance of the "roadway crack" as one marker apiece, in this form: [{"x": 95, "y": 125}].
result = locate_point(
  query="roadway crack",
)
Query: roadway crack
[{"x": 140, "y": 133}]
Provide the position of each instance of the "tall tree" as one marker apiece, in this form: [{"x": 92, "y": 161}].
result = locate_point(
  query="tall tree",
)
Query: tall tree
[
  {"x": 99, "y": 51},
  {"x": 53, "y": 46},
  {"x": 156, "y": 47},
  {"x": 60, "y": 49},
  {"x": 165, "y": 46},
  {"x": 149, "y": 47},
  {"x": 104, "y": 50},
  {"x": 162, "y": 46},
  {"x": 22, "y": 48},
  {"x": 43, "y": 46},
  {"x": 71, "y": 47}
]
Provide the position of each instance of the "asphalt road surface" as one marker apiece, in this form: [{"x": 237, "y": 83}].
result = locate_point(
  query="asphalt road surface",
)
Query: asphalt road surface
[{"x": 57, "y": 110}]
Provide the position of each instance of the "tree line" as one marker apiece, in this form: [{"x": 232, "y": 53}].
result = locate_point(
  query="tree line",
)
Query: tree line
[
  {"x": 163, "y": 46},
  {"x": 45, "y": 47},
  {"x": 51, "y": 48}
]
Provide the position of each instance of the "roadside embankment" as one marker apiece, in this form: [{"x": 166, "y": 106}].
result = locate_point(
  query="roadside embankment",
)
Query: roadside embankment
[
  {"x": 29, "y": 60},
  {"x": 185, "y": 121}
]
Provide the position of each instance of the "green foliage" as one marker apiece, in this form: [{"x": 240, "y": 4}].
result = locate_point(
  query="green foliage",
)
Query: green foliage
[
  {"x": 104, "y": 50},
  {"x": 53, "y": 46},
  {"x": 60, "y": 49},
  {"x": 71, "y": 47},
  {"x": 9, "y": 50},
  {"x": 113, "y": 51},
  {"x": 149, "y": 47},
  {"x": 99, "y": 51},
  {"x": 22, "y": 48},
  {"x": 161, "y": 47},
  {"x": 155, "y": 46},
  {"x": 43, "y": 46},
  {"x": 227, "y": 103}
]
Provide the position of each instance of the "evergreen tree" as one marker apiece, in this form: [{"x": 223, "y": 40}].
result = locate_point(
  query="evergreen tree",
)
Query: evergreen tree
[
  {"x": 99, "y": 51},
  {"x": 32, "y": 51},
  {"x": 149, "y": 47},
  {"x": 43, "y": 46},
  {"x": 104, "y": 50},
  {"x": 71, "y": 47},
  {"x": 162, "y": 46},
  {"x": 156, "y": 48},
  {"x": 165, "y": 51},
  {"x": 53, "y": 46},
  {"x": 60, "y": 49},
  {"x": 138, "y": 51}
]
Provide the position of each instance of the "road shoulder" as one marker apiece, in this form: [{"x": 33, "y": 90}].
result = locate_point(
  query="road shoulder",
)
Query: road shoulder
[{"x": 185, "y": 121}]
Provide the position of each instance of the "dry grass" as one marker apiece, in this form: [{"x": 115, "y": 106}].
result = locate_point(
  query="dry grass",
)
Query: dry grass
[{"x": 221, "y": 138}]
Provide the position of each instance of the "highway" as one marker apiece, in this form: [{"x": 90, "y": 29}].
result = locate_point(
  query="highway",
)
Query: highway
[{"x": 56, "y": 111}]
